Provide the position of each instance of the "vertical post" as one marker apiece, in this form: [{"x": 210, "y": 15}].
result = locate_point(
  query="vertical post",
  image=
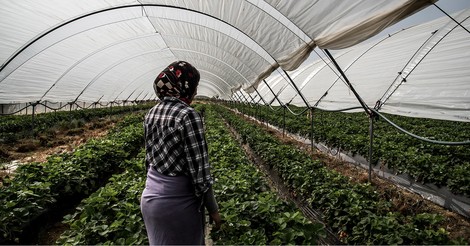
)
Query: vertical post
[
  {"x": 371, "y": 135},
  {"x": 311, "y": 130},
  {"x": 45, "y": 106},
  {"x": 32, "y": 116},
  {"x": 284, "y": 120}
]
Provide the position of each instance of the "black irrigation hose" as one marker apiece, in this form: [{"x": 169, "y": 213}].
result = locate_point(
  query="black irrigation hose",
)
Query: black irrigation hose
[
  {"x": 275, "y": 109},
  {"x": 55, "y": 109},
  {"x": 338, "y": 110},
  {"x": 419, "y": 137},
  {"x": 297, "y": 114},
  {"x": 59, "y": 108},
  {"x": 17, "y": 111},
  {"x": 391, "y": 123}
]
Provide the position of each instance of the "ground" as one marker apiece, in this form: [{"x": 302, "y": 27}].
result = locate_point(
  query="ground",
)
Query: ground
[{"x": 65, "y": 140}]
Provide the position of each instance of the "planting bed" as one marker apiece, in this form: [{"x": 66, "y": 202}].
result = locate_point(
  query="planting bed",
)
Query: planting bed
[
  {"x": 351, "y": 210},
  {"x": 390, "y": 205}
]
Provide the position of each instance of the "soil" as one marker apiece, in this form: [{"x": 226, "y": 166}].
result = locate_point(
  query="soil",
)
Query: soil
[
  {"x": 404, "y": 201},
  {"x": 56, "y": 141}
]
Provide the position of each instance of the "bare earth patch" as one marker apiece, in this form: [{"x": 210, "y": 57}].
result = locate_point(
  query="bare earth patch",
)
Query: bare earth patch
[
  {"x": 64, "y": 140},
  {"x": 27, "y": 151}
]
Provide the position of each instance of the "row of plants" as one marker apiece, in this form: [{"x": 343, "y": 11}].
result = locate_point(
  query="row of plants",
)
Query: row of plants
[
  {"x": 38, "y": 188},
  {"x": 15, "y": 127},
  {"x": 355, "y": 211},
  {"x": 111, "y": 215},
  {"x": 443, "y": 165},
  {"x": 252, "y": 213}
]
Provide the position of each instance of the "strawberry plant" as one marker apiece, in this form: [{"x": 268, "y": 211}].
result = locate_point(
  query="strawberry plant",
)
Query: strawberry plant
[
  {"x": 425, "y": 162},
  {"x": 253, "y": 214},
  {"x": 39, "y": 188},
  {"x": 355, "y": 211},
  {"x": 112, "y": 214}
]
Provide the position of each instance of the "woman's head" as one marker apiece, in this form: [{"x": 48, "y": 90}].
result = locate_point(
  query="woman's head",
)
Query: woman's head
[{"x": 180, "y": 79}]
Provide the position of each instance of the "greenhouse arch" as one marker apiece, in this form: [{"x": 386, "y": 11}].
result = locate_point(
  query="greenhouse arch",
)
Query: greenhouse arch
[{"x": 360, "y": 134}]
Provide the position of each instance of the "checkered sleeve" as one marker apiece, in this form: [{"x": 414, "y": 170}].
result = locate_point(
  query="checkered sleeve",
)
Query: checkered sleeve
[{"x": 196, "y": 152}]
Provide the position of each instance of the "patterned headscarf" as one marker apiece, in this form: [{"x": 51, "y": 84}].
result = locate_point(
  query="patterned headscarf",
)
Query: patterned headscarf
[{"x": 180, "y": 79}]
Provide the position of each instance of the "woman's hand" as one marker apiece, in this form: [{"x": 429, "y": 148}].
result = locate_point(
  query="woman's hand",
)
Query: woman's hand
[{"x": 215, "y": 217}]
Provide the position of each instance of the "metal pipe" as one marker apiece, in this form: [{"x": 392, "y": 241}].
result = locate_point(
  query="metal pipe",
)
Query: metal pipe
[
  {"x": 274, "y": 94},
  {"x": 297, "y": 89},
  {"x": 363, "y": 104},
  {"x": 451, "y": 18}
]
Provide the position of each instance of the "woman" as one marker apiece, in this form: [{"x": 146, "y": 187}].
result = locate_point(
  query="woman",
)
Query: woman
[{"x": 179, "y": 183}]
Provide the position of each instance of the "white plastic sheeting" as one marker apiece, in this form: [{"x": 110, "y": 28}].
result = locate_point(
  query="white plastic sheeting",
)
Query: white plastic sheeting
[
  {"x": 88, "y": 50},
  {"x": 423, "y": 71}
]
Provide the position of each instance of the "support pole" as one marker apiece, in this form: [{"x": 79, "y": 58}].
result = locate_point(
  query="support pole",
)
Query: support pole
[
  {"x": 246, "y": 99},
  {"x": 284, "y": 120},
  {"x": 32, "y": 118},
  {"x": 239, "y": 98},
  {"x": 458, "y": 23},
  {"x": 297, "y": 89},
  {"x": 274, "y": 94},
  {"x": 371, "y": 136},
  {"x": 363, "y": 104},
  {"x": 311, "y": 130},
  {"x": 259, "y": 94}
]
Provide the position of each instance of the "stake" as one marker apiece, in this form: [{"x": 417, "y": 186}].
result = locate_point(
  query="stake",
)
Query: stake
[
  {"x": 371, "y": 135},
  {"x": 311, "y": 130}
]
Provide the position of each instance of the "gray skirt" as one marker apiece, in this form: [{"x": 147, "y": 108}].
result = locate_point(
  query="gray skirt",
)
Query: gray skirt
[{"x": 171, "y": 210}]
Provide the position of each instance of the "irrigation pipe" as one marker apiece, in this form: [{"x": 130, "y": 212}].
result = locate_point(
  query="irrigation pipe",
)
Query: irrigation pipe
[{"x": 419, "y": 137}]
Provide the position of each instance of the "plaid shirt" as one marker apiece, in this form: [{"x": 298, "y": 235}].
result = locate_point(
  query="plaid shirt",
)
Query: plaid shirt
[{"x": 175, "y": 142}]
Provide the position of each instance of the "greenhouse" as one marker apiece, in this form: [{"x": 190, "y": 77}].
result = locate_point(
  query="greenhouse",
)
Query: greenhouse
[{"x": 320, "y": 128}]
